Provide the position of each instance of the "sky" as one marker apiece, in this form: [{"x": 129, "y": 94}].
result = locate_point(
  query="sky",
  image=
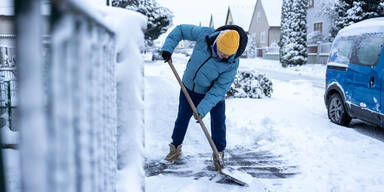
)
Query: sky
[{"x": 196, "y": 11}]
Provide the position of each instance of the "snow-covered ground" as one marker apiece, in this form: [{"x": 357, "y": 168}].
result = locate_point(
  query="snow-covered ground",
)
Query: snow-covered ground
[{"x": 285, "y": 142}]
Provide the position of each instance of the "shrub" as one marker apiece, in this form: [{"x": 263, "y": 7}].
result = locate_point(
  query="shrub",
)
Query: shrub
[{"x": 249, "y": 84}]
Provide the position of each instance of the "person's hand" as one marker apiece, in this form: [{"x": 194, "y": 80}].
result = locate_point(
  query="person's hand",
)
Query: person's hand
[
  {"x": 197, "y": 117},
  {"x": 166, "y": 56}
]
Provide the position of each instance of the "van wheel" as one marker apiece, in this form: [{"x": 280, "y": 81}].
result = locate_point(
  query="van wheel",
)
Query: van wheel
[{"x": 337, "y": 112}]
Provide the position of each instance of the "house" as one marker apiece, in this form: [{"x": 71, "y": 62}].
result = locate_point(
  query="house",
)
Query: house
[
  {"x": 319, "y": 23},
  {"x": 265, "y": 24}
]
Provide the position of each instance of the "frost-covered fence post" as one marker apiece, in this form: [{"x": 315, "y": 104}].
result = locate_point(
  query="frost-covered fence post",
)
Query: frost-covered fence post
[
  {"x": 32, "y": 121},
  {"x": 130, "y": 94},
  {"x": 68, "y": 103}
]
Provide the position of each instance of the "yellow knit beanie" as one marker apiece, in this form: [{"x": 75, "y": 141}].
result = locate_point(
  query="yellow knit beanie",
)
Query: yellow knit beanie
[{"x": 228, "y": 42}]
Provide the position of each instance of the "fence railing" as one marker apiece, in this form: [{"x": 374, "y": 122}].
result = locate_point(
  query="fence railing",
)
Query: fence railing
[
  {"x": 8, "y": 96},
  {"x": 8, "y": 99},
  {"x": 68, "y": 115},
  {"x": 319, "y": 48}
]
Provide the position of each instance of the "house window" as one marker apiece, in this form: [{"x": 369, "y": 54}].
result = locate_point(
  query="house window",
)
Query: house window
[
  {"x": 258, "y": 18},
  {"x": 318, "y": 27},
  {"x": 310, "y": 3},
  {"x": 262, "y": 37}
]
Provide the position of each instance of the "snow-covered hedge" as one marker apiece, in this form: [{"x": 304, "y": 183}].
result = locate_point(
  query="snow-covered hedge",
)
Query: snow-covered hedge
[{"x": 249, "y": 84}]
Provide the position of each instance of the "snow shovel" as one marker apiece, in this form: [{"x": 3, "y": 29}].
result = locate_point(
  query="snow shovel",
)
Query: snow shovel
[{"x": 221, "y": 169}]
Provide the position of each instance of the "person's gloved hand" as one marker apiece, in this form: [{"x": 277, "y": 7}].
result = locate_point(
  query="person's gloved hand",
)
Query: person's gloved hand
[
  {"x": 166, "y": 56},
  {"x": 197, "y": 117}
]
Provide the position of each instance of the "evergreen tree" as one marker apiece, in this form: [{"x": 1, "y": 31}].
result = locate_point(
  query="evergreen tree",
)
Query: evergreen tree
[
  {"x": 251, "y": 46},
  {"x": 350, "y": 12},
  {"x": 159, "y": 18},
  {"x": 293, "y": 46},
  {"x": 284, "y": 28}
]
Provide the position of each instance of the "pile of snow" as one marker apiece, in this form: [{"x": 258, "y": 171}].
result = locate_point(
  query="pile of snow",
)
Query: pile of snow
[
  {"x": 129, "y": 72},
  {"x": 249, "y": 84}
]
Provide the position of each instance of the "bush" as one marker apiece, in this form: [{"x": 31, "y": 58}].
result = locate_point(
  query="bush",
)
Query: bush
[{"x": 249, "y": 84}]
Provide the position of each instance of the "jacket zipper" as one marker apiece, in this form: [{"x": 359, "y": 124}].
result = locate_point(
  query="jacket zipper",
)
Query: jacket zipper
[{"x": 194, "y": 77}]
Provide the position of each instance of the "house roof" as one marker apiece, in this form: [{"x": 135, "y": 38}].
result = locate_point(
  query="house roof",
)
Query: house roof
[
  {"x": 272, "y": 10},
  {"x": 7, "y": 7},
  {"x": 242, "y": 14}
]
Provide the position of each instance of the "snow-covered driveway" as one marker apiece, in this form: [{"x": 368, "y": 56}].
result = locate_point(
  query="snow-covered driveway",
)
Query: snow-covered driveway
[{"x": 286, "y": 142}]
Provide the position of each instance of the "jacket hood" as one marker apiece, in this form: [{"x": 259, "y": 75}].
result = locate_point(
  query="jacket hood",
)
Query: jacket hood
[{"x": 243, "y": 37}]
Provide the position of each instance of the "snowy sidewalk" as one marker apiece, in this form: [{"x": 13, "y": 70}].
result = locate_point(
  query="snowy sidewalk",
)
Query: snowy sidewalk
[{"x": 286, "y": 142}]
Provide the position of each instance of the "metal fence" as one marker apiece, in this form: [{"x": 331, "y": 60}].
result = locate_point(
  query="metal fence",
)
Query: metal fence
[
  {"x": 318, "y": 53},
  {"x": 67, "y": 92},
  {"x": 319, "y": 48},
  {"x": 8, "y": 97}
]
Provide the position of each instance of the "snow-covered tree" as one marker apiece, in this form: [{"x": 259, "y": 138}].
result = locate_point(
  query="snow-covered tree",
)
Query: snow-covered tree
[
  {"x": 250, "y": 84},
  {"x": 159, "y": 18},
  {"x": 284, "y": 27},
  {"x": 293, "y": 45},
  {"x": 349, "y": 12},
  {"x": 251, "y": 47}
]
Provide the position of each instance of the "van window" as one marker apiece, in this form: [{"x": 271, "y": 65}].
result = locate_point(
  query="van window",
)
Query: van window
[
  {"x": 342, "y": 50},
  {"x": 368, "y": 52}
]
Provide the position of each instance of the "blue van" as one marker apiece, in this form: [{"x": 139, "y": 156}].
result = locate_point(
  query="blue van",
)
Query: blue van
[{"x": 354, "y": 77}]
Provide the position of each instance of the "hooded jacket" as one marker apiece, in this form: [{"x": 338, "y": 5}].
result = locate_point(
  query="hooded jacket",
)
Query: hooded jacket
[{"x": 205, "y": 73}]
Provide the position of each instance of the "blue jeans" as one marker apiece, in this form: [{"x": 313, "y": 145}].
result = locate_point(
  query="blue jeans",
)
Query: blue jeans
[{"x": 185, "y": 113}]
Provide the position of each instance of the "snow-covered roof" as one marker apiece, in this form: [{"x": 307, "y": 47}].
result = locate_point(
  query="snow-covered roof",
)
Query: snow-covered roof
[
  {"x": 7, "y": 7},
  {"x": 272, "y": 10},
  {"x": 367, "y": 26},
  {"x": 242, "y": 14}
]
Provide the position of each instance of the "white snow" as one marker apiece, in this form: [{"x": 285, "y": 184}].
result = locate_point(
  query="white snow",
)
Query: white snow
[
  {"x": 272, "y": 10},
  {"x": 292, "y": 124},
  {"x": 337, "y": 64},
  {"x": 129, "y": 73},
  {"x": 367, "y": 26}
]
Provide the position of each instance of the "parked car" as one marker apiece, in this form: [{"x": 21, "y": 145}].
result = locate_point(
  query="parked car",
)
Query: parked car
[{"x": 354, "y": 77}]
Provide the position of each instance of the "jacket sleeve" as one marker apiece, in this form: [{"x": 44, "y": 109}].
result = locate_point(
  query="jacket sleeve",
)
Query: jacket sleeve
[
  {"x": 183, "y": 32},
  {"x": 217, "y": 91}
]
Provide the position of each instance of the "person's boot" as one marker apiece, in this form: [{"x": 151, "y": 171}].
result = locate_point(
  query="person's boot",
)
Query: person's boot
[
  {"x": 174, "y": 153},
  {"x": 216, "y": 161}
]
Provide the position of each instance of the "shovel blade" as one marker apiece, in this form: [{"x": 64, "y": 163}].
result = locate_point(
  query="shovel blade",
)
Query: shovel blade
[{"x": 229, "y": 178}]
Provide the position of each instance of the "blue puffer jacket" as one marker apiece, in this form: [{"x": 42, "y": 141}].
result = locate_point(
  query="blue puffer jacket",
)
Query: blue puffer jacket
[{"x": 206, "y": 74}]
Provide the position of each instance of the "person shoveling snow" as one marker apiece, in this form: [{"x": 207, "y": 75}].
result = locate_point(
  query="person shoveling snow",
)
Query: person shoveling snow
[{"x": 208, "y": 76}]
